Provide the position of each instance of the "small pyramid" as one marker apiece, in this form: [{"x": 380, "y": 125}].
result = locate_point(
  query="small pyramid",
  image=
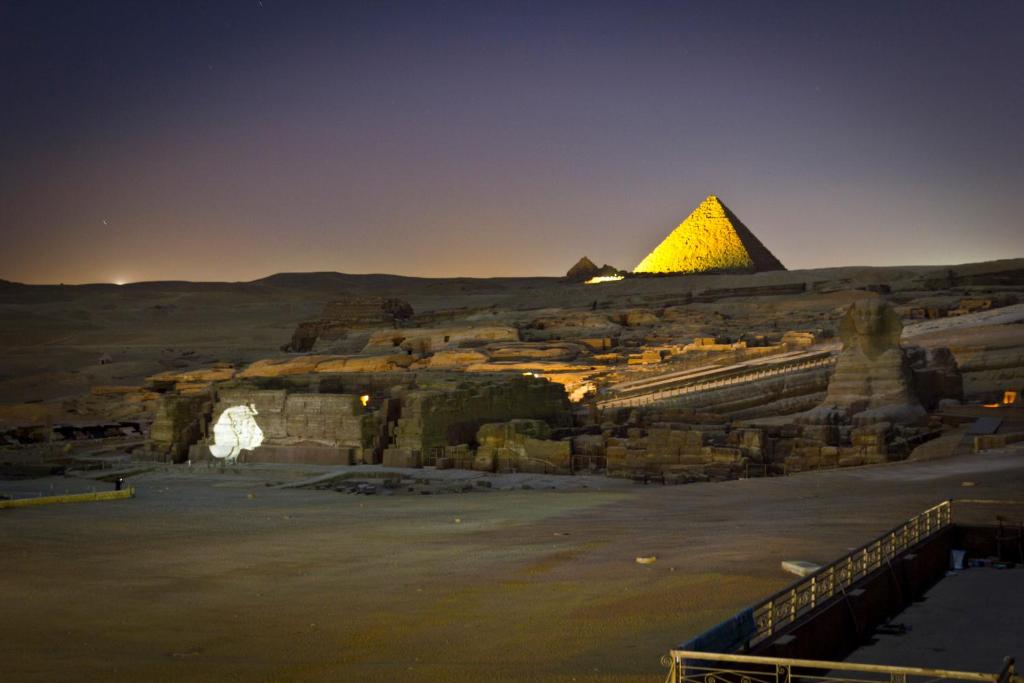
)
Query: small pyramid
[
  {"x": 583, "y": 270},
  {"x": 711, "y": 238}
]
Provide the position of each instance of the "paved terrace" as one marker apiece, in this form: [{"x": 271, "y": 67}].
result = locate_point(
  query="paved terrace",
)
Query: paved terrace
[{"x": 968, "y": 621}]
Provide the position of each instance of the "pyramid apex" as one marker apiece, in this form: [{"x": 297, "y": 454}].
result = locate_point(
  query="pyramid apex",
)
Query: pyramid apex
[{"x": 583, "y": 270}]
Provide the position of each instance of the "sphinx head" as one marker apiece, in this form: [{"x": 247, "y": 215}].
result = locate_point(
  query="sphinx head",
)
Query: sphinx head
[{"x": 871, "y": 325}]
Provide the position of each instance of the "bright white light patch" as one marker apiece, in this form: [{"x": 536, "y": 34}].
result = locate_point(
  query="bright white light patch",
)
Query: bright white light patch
[
  {"x": 236, "y": 431},
  {"x": 603, "y": 278}
]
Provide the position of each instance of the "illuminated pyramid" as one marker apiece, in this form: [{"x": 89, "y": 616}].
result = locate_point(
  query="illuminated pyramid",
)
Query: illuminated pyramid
[{"x": 711, "y": 238}]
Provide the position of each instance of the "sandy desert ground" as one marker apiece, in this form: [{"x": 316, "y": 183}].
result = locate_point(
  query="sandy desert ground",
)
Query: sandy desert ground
[{"x": 209, "y": 577}]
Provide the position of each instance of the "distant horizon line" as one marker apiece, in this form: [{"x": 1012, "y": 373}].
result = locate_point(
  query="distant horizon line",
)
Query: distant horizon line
[{"x": 116, "y": 283}]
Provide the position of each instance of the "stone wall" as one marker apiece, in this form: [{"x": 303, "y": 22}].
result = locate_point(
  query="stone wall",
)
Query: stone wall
[
  {"x": 521, "y": 446},
  {"x": 291, "y": 418},
  {"x": 178, "y": 422},
  {"x": 438, "y": 417}
]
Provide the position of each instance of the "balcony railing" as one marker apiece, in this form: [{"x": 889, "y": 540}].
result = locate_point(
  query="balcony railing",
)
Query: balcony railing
[
  {"x": 782, "y": 609},
  {"x": 687, "y": 666}
]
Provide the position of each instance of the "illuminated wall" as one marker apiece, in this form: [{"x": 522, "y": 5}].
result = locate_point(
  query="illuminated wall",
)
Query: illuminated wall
[{"x": 236, "y": 431}]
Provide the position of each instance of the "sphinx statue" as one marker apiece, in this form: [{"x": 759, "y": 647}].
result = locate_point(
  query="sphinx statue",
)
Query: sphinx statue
[{"x": 872, "y": 378}]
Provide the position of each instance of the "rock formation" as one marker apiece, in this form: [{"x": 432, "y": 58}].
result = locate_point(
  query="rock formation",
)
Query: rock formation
[
  {"x": 872, "y": 378},
  {"x": 521, "y": 446},
  {"x": 342, "y": 315},
  {"x": 711, "y": 238}
]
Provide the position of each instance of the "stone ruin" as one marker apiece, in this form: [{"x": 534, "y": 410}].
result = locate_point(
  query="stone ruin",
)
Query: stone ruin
[
  {"x": 872, "y": 380},
  {"x": 342, "y": 315},
  {"x": 478, "y": 396},
  {"x": 400, "y": 421},
  {"x": 585, "y": 269}
]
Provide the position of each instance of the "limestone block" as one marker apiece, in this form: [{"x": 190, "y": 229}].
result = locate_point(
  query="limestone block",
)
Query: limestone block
[
  {"x": 401, "y": 457},
  {"x": 456, "y": 358},
  {"x": 724, "y": 454},
  {"x": 203, "y": 375},
  {"x": 852, "y": 461},
  {"x": 264, "y": 400},
  {"x": 719, "y": 472},
  {"x": 751, "y": 438},
  {"x": 875, "y": 457},
  {"x": 492, "y": 434},
  {"x": 485, "y": 460},
  {"x": 596, "y": 344},
  {"x": 820, "y": 433},
  {"x": 556, "y": 453},
  {"x": 615, "y": 458},
  {"x": 693, "y": 441},
  {"x": 870, "y": 435},
  {"x": 807, "y": 451},
  {"x": 588, "y": 444},
  {"x": 753, "y": 454},
  {"x": 280, "y": 367},
  {"x": 367, "y": 363}
]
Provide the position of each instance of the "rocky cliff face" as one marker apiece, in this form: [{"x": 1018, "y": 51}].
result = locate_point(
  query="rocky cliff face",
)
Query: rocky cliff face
[{"x": 341, "y": 315}]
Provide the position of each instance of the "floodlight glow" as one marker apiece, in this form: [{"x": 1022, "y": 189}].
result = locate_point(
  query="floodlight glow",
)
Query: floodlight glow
[
  {"x": 603, "y": 278},
  {"x": 236, "y": 431},
  {"x": 364, "y": 399}
]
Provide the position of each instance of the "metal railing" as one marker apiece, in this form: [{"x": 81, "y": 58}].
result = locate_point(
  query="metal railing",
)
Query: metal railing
[
  {"x": 655, "y": 396},
  {"x": 687, "y": 666},
  {"x": 782, "y": 609}
]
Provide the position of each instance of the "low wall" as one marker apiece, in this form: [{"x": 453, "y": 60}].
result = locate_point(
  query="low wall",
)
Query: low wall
[{"x": 304, "y": 455}]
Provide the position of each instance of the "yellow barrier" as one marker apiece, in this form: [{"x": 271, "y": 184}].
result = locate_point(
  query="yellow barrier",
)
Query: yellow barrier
[{"x": 69, "y": 498}]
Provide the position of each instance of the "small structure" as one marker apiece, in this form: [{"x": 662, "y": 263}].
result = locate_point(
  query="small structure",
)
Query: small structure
[{"x": 583, "y": 270}]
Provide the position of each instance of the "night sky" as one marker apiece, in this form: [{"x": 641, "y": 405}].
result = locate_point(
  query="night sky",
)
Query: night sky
[{"x": 230, "y": 140}]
